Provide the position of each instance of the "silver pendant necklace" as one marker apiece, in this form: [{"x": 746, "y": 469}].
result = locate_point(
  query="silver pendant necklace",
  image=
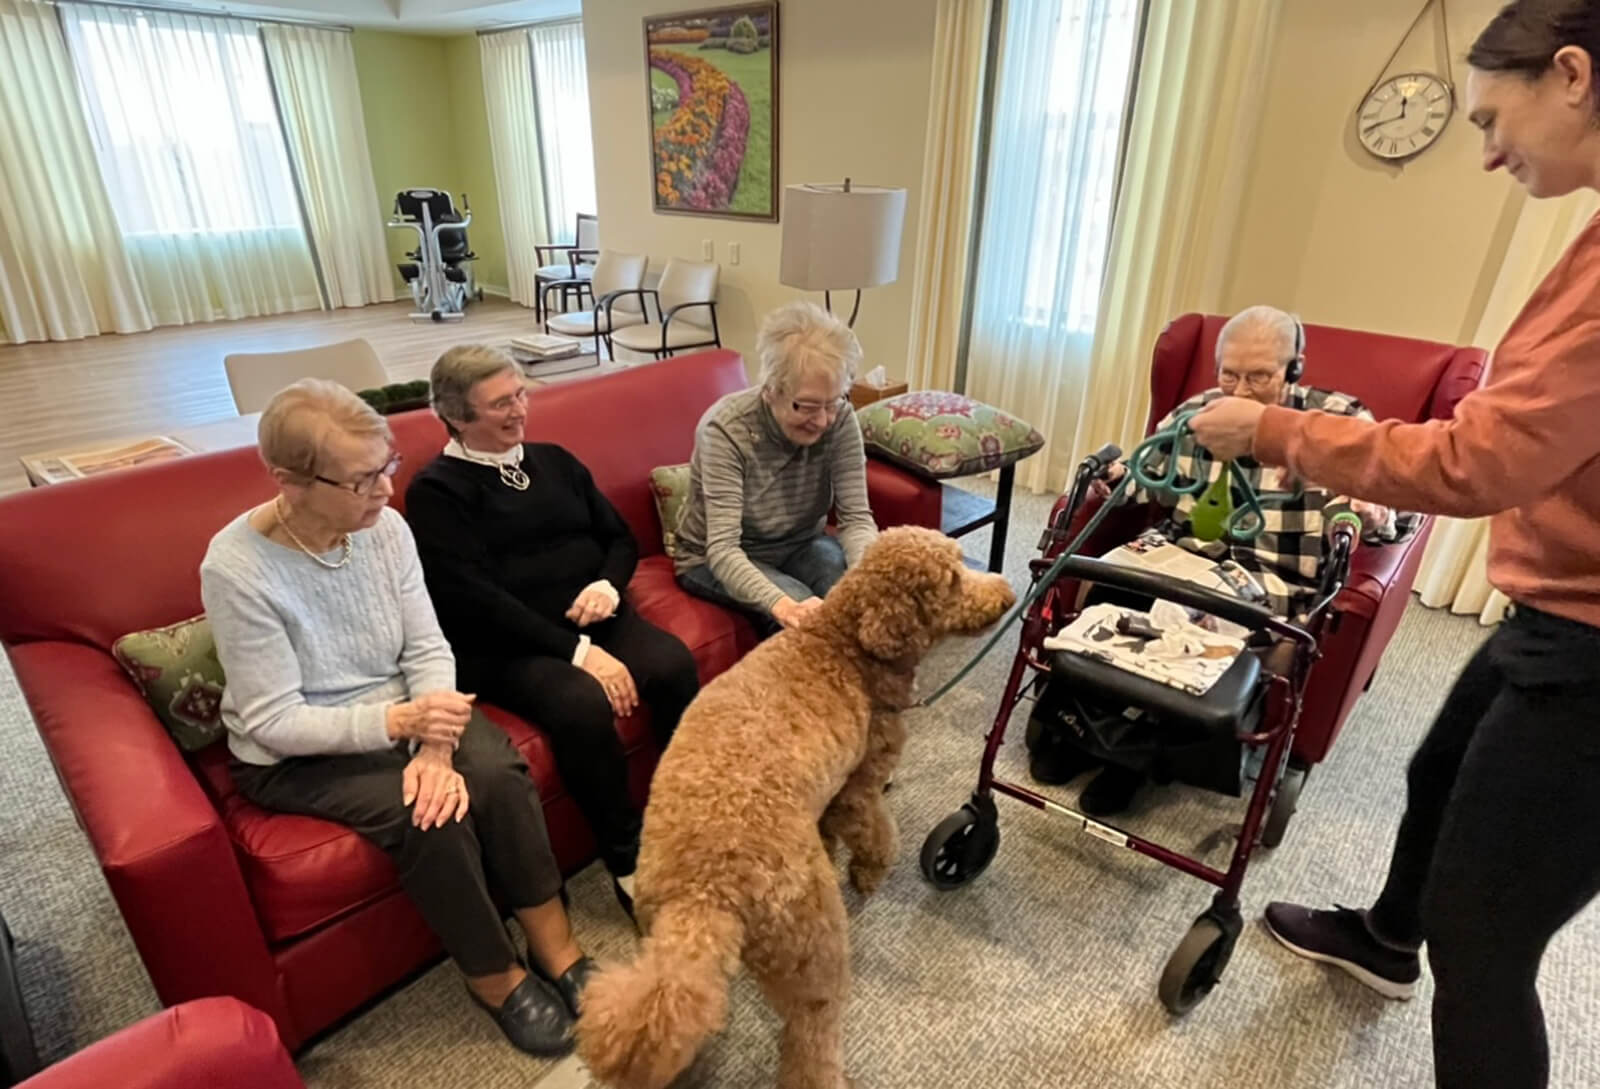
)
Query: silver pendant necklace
[
  {"x": 283, "y": 523},
  {"x": 512, "y": 476}
]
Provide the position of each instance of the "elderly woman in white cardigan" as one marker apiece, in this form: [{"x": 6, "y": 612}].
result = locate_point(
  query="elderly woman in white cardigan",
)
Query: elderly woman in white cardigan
[{"x": 341, "y": 704}]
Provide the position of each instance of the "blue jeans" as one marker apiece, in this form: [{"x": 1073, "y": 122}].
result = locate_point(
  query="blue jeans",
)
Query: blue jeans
[{"x": 809, "y": 571}]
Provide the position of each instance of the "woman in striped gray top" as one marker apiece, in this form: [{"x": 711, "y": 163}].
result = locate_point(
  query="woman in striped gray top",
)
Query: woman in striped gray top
[{"x": 769, "y": 464}]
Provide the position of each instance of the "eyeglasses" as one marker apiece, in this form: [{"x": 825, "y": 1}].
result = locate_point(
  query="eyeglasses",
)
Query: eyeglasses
[
  {"x": 830, "y": 409},
  {"x": 364, "y": 484},
  {"x": 506, "y": 403},
  {"x": 1256, "y": 380}
]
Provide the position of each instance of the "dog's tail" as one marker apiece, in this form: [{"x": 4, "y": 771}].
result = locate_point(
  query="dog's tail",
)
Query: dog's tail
[{"x": 643, "y": 1022}]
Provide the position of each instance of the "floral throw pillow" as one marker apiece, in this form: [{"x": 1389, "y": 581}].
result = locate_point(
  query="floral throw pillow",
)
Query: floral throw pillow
[
  {"x": 945, "y": 434},
  {"x": 670, "y": 483},
  {"x": 177, "y": 670}
]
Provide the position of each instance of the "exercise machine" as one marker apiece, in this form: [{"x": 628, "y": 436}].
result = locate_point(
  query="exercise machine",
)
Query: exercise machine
[{"x": 438, "y": 271}]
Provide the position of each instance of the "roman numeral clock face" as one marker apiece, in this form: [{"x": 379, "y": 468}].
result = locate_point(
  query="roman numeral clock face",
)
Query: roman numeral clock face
[{"x": 1404, "y": 115}]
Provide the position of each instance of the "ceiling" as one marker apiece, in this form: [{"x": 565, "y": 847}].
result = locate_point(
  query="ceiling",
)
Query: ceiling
[{"x": 413, "y": 16}]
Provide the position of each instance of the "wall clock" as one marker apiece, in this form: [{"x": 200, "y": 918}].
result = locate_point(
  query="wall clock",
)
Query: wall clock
[{"x": 1401, "y": 116}]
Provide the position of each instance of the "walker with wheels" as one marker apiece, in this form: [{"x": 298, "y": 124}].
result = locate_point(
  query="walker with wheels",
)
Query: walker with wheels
[{"x": 1234, "y": 739}]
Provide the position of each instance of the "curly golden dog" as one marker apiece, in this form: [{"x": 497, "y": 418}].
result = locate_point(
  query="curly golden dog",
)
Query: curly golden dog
[{"x": 777, "y": 761}]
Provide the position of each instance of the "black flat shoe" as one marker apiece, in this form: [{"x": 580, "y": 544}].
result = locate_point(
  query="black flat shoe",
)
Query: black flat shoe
[
  {"x": 533, "y": 1018},
  {"x": 572, "y": 982}
]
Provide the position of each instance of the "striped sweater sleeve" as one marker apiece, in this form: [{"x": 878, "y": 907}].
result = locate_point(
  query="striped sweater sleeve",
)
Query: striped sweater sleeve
[{"x": 721, "y": 466}]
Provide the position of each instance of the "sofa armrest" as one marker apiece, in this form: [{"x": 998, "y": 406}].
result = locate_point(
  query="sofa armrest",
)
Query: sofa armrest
[
  {"x": 899, "y": 498},
  {"x": 160, "y": 842},
  {"x": 209, "y": 1042}
]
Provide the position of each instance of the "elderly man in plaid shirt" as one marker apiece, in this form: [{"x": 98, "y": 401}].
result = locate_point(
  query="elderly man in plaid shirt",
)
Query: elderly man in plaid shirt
[{"x": 1260, "y": 353}]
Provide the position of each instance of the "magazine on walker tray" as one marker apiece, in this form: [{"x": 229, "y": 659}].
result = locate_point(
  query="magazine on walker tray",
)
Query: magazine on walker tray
[{"x": 1151, "y": 551}]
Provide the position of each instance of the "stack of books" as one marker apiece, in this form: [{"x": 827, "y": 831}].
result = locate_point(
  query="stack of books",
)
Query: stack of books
[{"x": 542, "y": 354}]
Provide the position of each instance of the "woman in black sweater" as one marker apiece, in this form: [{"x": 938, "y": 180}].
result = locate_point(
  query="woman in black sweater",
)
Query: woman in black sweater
[{"x": 527, "y": 562}]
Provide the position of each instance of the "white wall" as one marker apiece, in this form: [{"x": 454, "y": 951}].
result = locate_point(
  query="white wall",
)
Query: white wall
[
  {"x": 1341, "y": 238},
  {"x": 852, "y": 100}
]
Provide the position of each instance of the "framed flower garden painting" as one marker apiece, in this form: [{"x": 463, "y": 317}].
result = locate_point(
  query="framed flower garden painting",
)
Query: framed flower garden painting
[{"x": 714, "y": 111}]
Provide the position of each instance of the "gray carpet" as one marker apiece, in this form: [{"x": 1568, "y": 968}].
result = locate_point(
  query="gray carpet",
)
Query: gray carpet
[{"x": 1042, "y": 973}]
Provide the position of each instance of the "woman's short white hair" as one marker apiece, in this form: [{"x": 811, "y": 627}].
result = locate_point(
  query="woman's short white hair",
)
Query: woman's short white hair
[
  {"x": 801, "y": 338},
  {"x": 1283, "y": 326},
  {"x": 297, "y": 423}
]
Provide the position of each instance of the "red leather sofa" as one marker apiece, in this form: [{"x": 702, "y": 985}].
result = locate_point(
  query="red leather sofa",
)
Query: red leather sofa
[
  {"x": 1397, "y": 378},
  {"x": 301, "y": 918},
  {"x": 204, "y": 1044}
]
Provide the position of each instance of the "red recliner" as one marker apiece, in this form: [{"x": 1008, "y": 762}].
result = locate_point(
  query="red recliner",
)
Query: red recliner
[
  {"x": 299, "y": 917},
  {"x": 204, "y": 1044},
  {"x": 1397, "y": 378}
]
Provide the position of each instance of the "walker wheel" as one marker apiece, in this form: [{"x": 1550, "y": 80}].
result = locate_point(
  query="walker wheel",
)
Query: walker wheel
[
  {"x": 960, "y": 848},
  {"x": 437, "y": 316},
  {"x": 1196, "y": 965},
  {"x": 1284, "y": 804}
]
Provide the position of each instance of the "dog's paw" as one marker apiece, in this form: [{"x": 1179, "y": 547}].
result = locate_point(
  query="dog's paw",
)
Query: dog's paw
[{"x": 867, "y": 874}]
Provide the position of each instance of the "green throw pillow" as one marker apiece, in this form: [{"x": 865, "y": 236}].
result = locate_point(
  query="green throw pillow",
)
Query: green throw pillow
[
  {"x": 670, "y": 483},
  {"x": 945, "y": 434},
  {"x": 177, "y": 670}
]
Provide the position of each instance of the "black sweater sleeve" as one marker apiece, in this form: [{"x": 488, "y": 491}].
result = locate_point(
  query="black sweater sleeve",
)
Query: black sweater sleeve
[
  {"x": 610, "y": 529},
  {"x": 461, "y": 576}
]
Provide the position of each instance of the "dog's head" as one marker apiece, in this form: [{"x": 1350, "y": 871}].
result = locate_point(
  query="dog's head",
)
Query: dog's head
[{"x": 910, "y": 590}]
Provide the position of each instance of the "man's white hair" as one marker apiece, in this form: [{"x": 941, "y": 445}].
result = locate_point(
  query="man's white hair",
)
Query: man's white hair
[
  {"x": 1284, "y": 327},
  {"x": 801, "y": 338}
]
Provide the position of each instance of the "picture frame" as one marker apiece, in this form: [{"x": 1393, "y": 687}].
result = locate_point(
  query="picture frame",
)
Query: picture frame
[{"x": 711, "y": 92}]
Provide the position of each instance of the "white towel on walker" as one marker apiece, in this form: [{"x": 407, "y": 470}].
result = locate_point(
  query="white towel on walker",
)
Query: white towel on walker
[{"x": 1184, "y": 655}]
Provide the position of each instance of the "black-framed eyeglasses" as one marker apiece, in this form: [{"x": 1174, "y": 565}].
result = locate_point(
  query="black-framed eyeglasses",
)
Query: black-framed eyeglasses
[
  {"x": 366, "y": 482},
  {"x": 830, "y": 409}
]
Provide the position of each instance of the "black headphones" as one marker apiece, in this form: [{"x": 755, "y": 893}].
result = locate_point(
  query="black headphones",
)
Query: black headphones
[{"x": 1296, "y": 365}]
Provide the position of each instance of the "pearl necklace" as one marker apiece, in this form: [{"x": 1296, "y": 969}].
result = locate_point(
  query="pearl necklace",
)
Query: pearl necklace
[
  {"x": 511, "y": 474},
  {"x": 349, "y": 548}
]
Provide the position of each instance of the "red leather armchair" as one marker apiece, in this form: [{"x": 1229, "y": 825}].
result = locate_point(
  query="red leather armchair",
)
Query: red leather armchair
[
  {"x": 1397, "y": 378},
  {"x": 198, "y": 1045},
  {"x": 300, "y": 918}
]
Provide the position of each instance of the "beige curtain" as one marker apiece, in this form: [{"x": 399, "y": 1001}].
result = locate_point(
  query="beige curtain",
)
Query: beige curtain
[
  {"x": 319, "y": 99},
  {"x": 514, "y": 141},
  {"x": 1197, "y": 106},
  {"x": 949, "y": 180},
  {"x": 1453, "y": 572},
  {"x": 64, "y": 273}
]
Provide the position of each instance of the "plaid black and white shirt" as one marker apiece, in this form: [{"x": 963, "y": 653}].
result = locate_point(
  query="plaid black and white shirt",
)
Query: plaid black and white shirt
[{"x": 1286, "y": 559}]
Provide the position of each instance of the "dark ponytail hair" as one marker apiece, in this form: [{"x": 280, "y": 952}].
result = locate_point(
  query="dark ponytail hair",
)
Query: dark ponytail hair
[{"x": 1527, "y": 34}]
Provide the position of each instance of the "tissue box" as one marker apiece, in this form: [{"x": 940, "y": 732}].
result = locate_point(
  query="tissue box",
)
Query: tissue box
[{"x": 862, "y": 394}]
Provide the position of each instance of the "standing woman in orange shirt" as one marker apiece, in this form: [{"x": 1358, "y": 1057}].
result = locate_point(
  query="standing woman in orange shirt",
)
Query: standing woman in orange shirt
[{"x": 1500, "y": 843}]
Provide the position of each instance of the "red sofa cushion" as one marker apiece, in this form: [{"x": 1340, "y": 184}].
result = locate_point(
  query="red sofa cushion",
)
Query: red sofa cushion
[{"x": 198, "y": 1045}]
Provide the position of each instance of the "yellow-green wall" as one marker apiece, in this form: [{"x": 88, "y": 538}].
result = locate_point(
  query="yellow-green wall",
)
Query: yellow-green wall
[{"x": 422, "y": 97}]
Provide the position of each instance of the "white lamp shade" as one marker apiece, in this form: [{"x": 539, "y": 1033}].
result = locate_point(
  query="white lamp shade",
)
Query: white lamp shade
[{"x": 835, "y": 240}]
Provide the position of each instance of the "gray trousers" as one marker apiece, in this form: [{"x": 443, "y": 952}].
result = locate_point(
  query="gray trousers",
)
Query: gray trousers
[{"x": 454, "y": 873}]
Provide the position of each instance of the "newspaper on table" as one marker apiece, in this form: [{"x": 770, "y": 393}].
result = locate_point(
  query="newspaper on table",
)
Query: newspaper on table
[
  {"x": 75, "y": 465},
  {"x": 1183, "y": 655}
]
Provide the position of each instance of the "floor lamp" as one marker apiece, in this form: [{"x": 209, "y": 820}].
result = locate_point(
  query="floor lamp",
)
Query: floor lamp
[{"x": 841, "y": 238}]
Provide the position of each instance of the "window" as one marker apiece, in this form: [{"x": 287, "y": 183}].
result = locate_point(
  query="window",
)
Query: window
[
  {"x": 1054, "y": 158},
  {"x": 183, "y": 120},
  {"x": 566, "y": 150}
]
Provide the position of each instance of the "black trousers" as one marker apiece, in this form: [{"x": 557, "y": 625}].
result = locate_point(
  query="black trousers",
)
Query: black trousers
[
  {"x": 571, "y": 708},
  {"x": 452, "y": 873},
  {"x": 1498, "y": 847}
]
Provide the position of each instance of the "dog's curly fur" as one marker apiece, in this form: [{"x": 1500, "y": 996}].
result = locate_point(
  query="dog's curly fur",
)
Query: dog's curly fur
[{"x": 777, "y": 761}]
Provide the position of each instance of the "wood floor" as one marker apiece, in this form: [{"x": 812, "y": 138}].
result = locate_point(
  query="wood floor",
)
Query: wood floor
[{"x": 109, "y": 387}]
